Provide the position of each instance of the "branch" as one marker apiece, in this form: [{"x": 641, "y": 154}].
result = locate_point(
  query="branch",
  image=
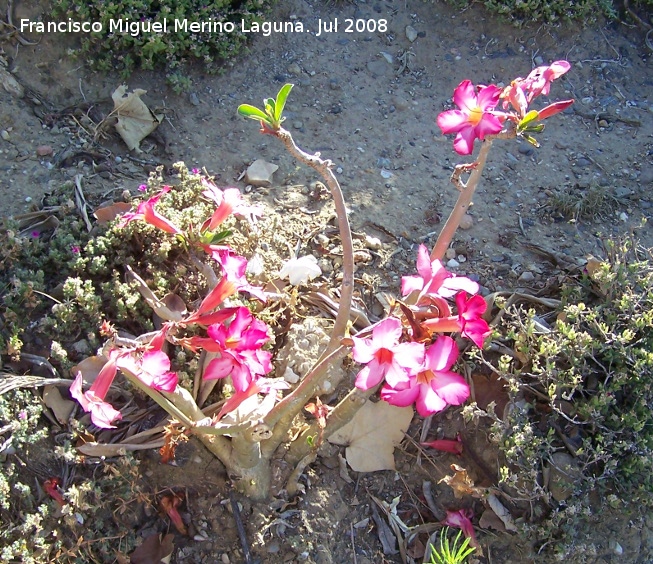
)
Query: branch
[
  {"x": 323, "y": 167},
  {"x": 465, "y": 196}
]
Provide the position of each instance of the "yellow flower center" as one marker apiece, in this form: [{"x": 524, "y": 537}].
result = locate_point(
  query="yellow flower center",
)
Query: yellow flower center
[{"x": 475, "y": 115}]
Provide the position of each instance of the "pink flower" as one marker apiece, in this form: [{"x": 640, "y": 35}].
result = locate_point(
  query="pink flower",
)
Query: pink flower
[
  {"x": 434, "y": 386},
  {"x": 461, "y": 520},
  {"x": 475, "y": 119},
  {"x": 234, "y": 268},
  {"x": 385, "y": 357},
  {"x": 146, "y": 212},
  {"x": 470, "y": 315},
  {"x": 469, "y": 320},
  {"x": 240, "y": 351},
  {"x": 228, "y": 201},
  {"x": 434, "y": 279},
  {"x": 142, "y": 188},
  {"x": 102, "y": 413},
  {"x": 153, "y": 369},
  {"x": 540, "y": 78}
]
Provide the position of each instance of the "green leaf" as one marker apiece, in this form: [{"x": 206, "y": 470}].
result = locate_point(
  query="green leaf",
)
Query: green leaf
[
  {"x": 220, "y": 236},
  {"x": 528, "y": 118},
  {"x": 252, "y": 112},
  {"x": 282, "y": 96},
  {"x": 531, "y": 140},
  {"x": 269, "y": 108}
]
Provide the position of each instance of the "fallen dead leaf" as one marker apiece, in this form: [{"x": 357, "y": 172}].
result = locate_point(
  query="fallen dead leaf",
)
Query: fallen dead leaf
[
  {"x": 135, "y": 120},
  {"x": 461, "y": 483},
  {"x": 89, "y": 367},
  {"x": 371, "y": 436},
  {"x": 62, "y": 408},
  {"x": 155, "y": 549},
  {"x": 105, "y": 214}
]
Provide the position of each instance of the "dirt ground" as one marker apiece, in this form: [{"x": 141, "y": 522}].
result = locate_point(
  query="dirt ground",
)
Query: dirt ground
[{"x": 369, "y": 101}]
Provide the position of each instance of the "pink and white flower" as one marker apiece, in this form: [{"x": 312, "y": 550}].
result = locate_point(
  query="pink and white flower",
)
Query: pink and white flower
[
  {"x": 384, "y": 357},
  {"x": 475, "y": 119}
]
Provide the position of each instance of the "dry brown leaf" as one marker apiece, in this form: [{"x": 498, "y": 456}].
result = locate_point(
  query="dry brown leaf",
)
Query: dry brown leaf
[
  {"x": 105, "y": 214},
  {"x": 501, "y": 512},
  {"x": 62, "y": 408},
  {"x": 89, "y": 367},
  {"x": 371, "y": 436},
  {"x": 160, "y": 307},
  {"x": 461, "y": 483},
  {"x": 155, "y": 549},
  {"x": 488, "y": 389},
  {"x": 135, "y": 120}
]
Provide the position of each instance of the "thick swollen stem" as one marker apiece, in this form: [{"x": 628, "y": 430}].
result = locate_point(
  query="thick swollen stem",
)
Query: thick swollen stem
[
  {"x": 280, "y": 417},
  {"x": 462, "y": 205},
  {"x": 339, "y": 417},
  {"x": 323, "y": 167}
]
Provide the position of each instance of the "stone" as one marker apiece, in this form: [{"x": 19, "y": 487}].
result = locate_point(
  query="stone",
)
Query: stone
[
  {"x": 379, "y": 68},
  {"x": 646, "y": 175},
  {"x": 527, "y": 276},
  {"x": 411, "y": 33},
  {"x": 466, "y": 222},
  {"x": 453, "y": 263},
  {"x": 10, "y": 84},
  {"x": 260, "y": 172},
  {"x": 293, "y": 68},
  {"x": 44, "y": 150},
  {"x": 4, "y": 134}
]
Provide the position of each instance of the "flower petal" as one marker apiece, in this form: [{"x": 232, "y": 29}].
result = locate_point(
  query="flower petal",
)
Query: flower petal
[
  {"x": 398, "y": 397},
  {"x": 369, "y": 376},
  {"x": 451, "y": 387},
  {"x": 464, "y": 142},
  {"x": 452, "y": 121},
  {"x": 442, "y": 354},
  {"x": 429, "y": 402},
  {"x": 464, "y": 96}
]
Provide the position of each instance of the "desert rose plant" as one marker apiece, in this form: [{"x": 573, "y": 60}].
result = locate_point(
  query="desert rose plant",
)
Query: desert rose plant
[{"x": 409, "y": 355}]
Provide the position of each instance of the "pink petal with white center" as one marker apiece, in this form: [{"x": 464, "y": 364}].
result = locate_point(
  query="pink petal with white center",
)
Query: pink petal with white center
[
  {"x": 155, "y": 362},
  {"x": 77, "y": 392},
  {"x": 451, "y": 387},
  {"x": 396, "y": 374},
  {"x": 363, "y": 350},
  {"x": 423, "y": 262},
  {"x": 411, "y": 284},
  {"x": 428, "y": 402},
  {"x": 457, "y": 283},
  {"x": 369, "y": 376},
  {"x": 463, "y": 144},
  {"x": 409, "y": 355},
  {"x": 400, "y": 397},
  {"x": 219, "y": 368},
  {"x": 488, "y": 97},
  {"x": 476, "y": 331},
  {"x": 452, "y": 121},
  {"x": 441, "y": 355},
  {"x": 464, "y": 96},
  {"x": 489, "y": 125},
  {"x": 102, "y": 413},
  {"x": 166, "y": 382},
  {"x": 387, "y": 333}
]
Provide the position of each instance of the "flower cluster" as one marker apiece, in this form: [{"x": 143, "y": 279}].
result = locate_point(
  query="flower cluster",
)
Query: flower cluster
[
  {"x": 234, "y": 336},
  {"x": 478, "y": 116},
  {"x": 415, "y": 368}
]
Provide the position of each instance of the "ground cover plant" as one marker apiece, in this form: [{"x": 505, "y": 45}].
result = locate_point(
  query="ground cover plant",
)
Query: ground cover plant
[
  {"x": 164, "y": 245},
  {"x": 137, "y": 45}
]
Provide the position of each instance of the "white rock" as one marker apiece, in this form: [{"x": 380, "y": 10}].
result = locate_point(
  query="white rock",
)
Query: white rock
[
  {"x": 453, "y": 263},
  {"x": 411, "y": 33},
  {"x": 260, "y": 172}
]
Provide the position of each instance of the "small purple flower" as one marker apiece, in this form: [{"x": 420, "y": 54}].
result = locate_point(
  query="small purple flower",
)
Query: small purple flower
[
  {"x": 142, "y": 188},
  {"x": 35, "y": 234},
  {"x": 75, "y": 249},
  {"x": 195, "y": 171},
  {"x": 22, "y": 415}
]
